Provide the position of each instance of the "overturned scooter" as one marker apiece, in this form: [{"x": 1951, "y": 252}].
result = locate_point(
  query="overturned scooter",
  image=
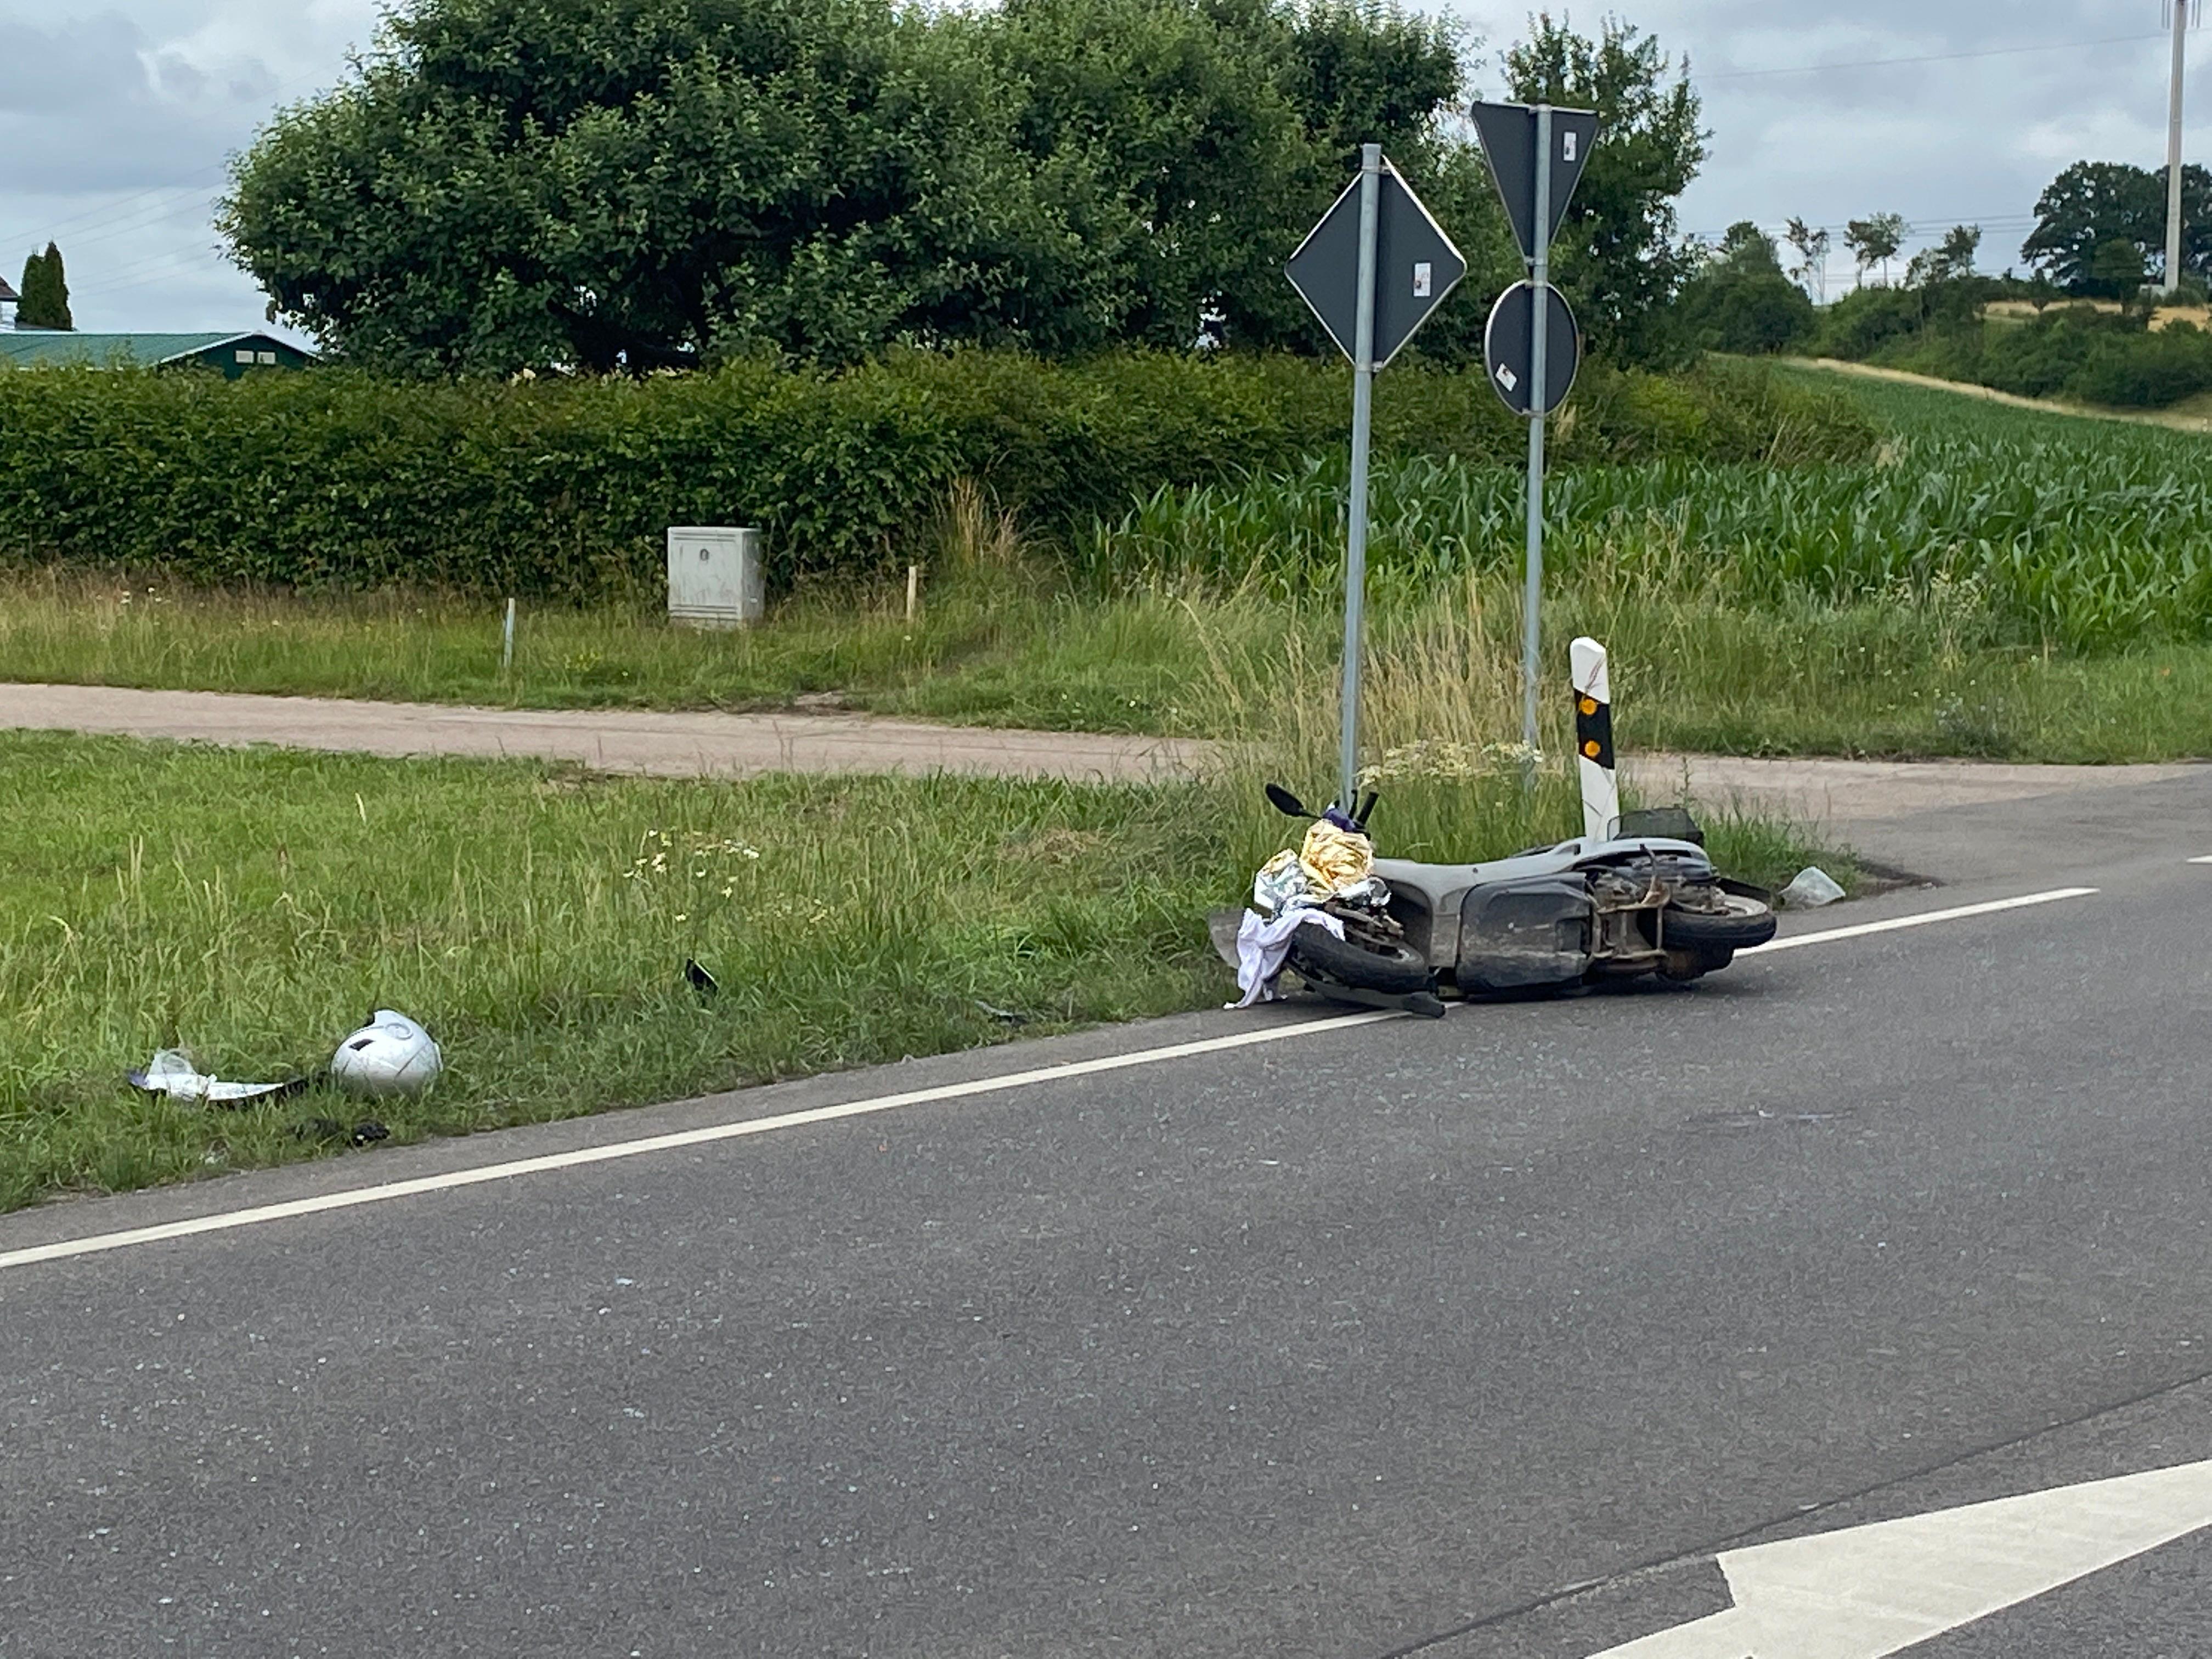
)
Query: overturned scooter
[
  {"x": 1579, "y": 913},
  {"x": 1635, "y": 895}
]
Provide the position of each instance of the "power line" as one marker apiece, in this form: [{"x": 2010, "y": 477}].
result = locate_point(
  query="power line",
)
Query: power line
[
  {"x": 119, "y": 275},
  {"x": 107, "y": 211},
  {"x": 1932, "y": 58},
  {"x": 144, "y": 220}
]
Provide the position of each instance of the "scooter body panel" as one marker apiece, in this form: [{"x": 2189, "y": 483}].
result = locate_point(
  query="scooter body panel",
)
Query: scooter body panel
[
  {"x": 1518, "y": 922},
  {"x": 1517, "y": 935}
]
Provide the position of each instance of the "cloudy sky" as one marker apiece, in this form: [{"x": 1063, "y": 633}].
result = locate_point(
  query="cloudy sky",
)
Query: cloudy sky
[{"x": 116, "y": 116}]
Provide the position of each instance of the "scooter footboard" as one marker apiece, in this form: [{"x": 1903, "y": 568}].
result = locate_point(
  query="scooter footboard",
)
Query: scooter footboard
[{"x": 1513, "y": 935}]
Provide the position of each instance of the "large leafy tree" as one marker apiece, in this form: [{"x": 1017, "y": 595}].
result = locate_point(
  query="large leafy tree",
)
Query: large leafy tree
[
  {"x": 2095, "y": 206},
  {"x": 608, "y": 183},
  {"x": 1163, "y": 132},
  {"x": 1740, "y": 301},
  {"x": 1191, "y": 142},
  {"x": 603, "y": 182},
  {"x": 1621, "y": 257},
  {"x": 1747, "y": 251}
]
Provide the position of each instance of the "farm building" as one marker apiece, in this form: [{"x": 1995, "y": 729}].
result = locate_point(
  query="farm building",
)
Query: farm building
[{"x": 232, "y": 354}]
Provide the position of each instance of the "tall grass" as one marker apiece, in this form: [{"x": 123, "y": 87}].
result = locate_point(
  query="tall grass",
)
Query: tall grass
[{"x": 1882, "y": 608}]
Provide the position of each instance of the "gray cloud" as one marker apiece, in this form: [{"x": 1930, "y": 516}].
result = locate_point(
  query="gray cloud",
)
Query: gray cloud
[{"x": 117, "y": 124}]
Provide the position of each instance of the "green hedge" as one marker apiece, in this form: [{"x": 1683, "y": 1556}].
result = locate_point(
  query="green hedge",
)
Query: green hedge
[{"x": 563, "y": 489}]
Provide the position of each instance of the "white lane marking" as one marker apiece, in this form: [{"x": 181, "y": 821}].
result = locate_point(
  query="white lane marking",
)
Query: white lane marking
[
  {"x": 1868, "y": 1591},
  {"x": 1792, "y": 941},
  {"x": 224, "y": 1220},
  {"x": 2206, "y": 859}
]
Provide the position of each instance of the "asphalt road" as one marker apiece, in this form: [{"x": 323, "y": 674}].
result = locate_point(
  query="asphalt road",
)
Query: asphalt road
[{"x": 1471, "y": 1338}]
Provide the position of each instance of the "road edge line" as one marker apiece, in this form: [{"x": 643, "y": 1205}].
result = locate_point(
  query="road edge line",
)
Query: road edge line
[
  {"x": 383, "y": 1192},
  {"x": 354, "y": 1197},
  {"x": 1894, "y": 923}
]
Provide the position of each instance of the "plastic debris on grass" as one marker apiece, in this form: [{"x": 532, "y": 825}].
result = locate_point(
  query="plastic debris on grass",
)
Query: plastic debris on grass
[
  {"x": 1810, "y": 889},
  {"x": 170, "y": 1072}
]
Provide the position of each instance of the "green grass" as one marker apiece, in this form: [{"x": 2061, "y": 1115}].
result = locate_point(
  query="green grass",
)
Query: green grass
[
  {"x": 988, "y": 648},
  {"x": 255, "y": 905}
]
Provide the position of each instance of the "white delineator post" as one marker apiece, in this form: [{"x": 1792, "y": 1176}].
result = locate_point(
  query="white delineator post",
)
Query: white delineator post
[{"x": 1594, "y": 738}]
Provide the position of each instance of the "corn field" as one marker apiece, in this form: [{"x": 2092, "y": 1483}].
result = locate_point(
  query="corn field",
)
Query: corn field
[{"x": 2087, "y": 538}]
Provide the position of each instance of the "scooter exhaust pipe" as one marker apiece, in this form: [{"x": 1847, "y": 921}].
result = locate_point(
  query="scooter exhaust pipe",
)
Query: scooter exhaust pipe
[{"x": 1594, "y": 738}]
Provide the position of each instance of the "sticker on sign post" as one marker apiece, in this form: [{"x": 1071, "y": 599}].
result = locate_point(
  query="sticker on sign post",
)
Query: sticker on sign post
[{"x": 1423, "y": 279}]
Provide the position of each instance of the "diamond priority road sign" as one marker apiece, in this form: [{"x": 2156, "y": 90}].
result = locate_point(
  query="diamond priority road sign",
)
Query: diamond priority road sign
[{"x": 1415, "y": 266}]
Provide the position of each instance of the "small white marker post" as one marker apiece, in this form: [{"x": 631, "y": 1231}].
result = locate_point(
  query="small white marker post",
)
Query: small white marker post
[
  {"x": 913, "y": 591},
  {"x": 1594, "y": 757},
  {"x": 506, "y": 640}
]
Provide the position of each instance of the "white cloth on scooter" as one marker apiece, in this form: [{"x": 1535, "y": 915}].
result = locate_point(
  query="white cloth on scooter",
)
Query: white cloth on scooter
[{"x": 1264, "y": 942}]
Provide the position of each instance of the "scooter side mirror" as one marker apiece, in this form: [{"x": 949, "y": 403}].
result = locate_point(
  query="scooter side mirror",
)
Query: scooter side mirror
[{"x": 1286, "y": 803}]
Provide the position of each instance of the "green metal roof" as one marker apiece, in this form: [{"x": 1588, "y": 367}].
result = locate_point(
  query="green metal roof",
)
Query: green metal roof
[{"x": 39, "y": 345}]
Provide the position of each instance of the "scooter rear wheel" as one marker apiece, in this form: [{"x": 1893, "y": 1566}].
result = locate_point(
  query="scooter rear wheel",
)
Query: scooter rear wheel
[{"x": 1739, "y": 924}]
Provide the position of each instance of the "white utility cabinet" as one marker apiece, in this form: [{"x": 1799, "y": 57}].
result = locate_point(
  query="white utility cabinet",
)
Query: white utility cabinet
[{"x": 714, "y": 576}]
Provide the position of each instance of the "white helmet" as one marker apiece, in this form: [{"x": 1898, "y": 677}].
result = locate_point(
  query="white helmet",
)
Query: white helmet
[{"x": 389, "y": 1055}]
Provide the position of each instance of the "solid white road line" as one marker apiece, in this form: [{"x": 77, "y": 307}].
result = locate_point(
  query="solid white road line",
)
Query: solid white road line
[
  {"x": 1792, "y": 941},
  {"x": 225, "y": 1220},
  {"x": 2206, "y": 860},
  {"x": 352, "y": 1197}
]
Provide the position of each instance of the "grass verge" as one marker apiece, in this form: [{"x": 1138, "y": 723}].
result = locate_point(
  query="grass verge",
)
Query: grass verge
[{"x": 254, "y": 906}]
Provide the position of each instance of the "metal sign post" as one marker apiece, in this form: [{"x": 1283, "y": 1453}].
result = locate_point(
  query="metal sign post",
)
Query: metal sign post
[
  {"x": 1363, "y": 420},
  {"x": 1373, "y": 270},
  {"x": 1535, "y": 154},
  {"x": 1532, "y": 594}
]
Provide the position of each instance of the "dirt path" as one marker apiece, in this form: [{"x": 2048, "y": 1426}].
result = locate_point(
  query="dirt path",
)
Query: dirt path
[
  {"x": 1840, "y": 793},
  {"x": 2168, "y": 418},
  {"x": 613, "y": 740}
]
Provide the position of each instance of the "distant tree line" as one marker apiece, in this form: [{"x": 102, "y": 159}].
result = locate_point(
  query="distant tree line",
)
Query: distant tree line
[{"x": 2100, "y": 234}]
